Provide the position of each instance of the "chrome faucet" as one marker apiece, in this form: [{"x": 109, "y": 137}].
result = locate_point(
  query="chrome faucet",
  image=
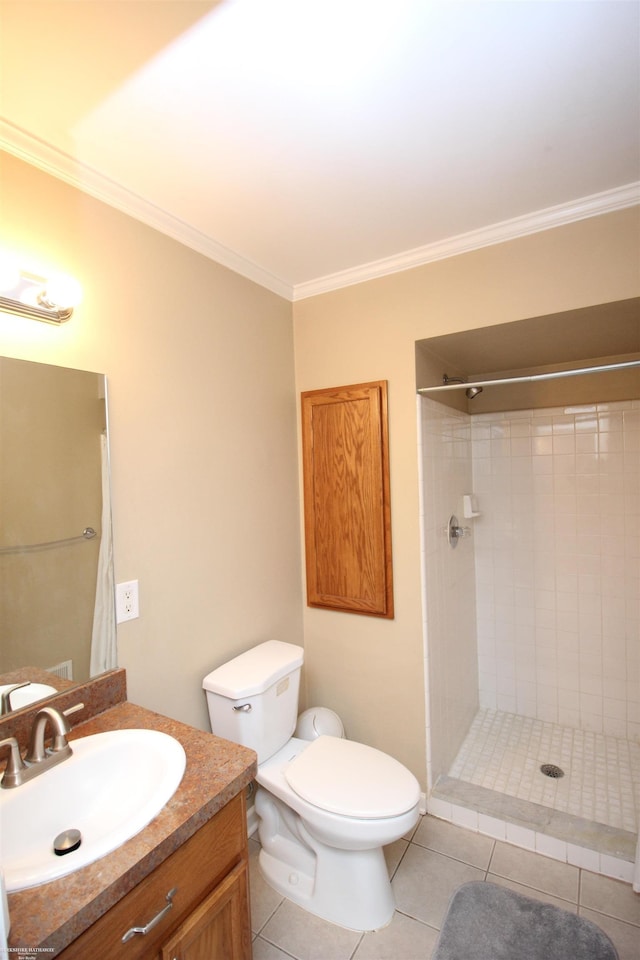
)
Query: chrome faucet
[
  {"x": 5, "y": 698},
  {"x": 38, "y": 759},
  {"x": 13, "y": 774},
  {"x": 36, "y": 752}
]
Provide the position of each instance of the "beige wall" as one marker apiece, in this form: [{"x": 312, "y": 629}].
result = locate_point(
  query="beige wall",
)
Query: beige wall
[
  {"x": 371, "y": 671},
  {"x": 199, "y": 363}
]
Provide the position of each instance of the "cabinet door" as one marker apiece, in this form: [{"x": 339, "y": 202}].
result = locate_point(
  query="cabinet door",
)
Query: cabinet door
[
  {"x": 205, "y": 860},
  {"x": 219, "y": 928},
  {"x": 347, "y": 513}
]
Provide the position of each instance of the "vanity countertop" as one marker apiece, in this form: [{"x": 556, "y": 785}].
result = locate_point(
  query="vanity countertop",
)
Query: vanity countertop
[{"x": 53, "y": 914}]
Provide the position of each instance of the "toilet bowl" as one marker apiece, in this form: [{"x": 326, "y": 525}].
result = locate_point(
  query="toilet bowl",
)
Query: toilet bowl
[
  {"x": 322, "y": 835},
  {"x": 326, "y": 807}
]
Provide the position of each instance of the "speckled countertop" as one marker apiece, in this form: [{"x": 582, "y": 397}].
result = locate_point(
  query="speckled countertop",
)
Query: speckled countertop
[
  {"x": 36, "y": 675},
  {"x": 52, "y": 915}
]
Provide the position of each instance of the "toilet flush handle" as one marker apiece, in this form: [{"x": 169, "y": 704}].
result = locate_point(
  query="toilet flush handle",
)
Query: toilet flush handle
[{"x": 244, "y": 707}]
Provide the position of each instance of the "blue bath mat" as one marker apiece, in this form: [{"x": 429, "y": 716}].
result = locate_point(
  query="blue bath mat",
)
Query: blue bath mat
[{"x": 488, "y": 922}]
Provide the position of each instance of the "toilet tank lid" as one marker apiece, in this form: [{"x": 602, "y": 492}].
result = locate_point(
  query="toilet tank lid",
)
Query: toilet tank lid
[{"x": 255, "y": 670}]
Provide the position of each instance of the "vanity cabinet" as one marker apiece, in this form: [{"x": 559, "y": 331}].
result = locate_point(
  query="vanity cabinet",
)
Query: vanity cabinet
[{"x": 206, "y": 881}]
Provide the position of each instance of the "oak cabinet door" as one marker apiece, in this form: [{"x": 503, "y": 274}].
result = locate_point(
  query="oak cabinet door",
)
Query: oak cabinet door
[
  {"x": 346, "y": 499},
  {"x": 218, "y": 929}
]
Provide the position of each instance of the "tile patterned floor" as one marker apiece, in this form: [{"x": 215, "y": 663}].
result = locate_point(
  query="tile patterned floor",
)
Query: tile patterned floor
[
  {"x": 426, "y": 868},
  {"x": 504, "y": 752}
]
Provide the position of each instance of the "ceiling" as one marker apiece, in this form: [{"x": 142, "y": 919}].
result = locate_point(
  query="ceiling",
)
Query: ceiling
[{"x": 309, "y": 144}]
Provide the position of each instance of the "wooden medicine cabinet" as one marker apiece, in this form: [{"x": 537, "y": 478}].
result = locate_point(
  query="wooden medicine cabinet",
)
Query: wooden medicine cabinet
[{"x": 347, "y": 513}]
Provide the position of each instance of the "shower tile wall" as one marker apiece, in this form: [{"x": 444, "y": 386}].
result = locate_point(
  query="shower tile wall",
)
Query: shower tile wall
[
  {"x": 557, "y": 558},
  {"x": 448, "y": 583}
]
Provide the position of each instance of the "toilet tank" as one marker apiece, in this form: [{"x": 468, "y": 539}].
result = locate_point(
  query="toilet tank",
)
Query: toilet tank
[{"x": 253, "y": 699}]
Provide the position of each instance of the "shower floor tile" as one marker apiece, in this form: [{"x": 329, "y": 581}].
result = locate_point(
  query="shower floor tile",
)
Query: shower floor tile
[{"x": 601, "y": 782}]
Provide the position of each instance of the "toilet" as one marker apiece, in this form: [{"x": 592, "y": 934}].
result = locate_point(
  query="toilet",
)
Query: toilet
[{"x": 326, "y": 807}]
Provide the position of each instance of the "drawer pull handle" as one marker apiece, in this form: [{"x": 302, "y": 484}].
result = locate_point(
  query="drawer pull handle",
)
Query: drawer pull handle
[{"x": 152, "y": 923}]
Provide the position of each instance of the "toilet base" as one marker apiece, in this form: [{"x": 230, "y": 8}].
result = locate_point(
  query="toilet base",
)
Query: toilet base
[{"x": 347, "y": 887}]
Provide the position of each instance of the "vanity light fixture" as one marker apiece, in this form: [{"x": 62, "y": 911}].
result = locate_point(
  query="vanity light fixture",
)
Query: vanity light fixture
[{"x": 29, "y": 295}]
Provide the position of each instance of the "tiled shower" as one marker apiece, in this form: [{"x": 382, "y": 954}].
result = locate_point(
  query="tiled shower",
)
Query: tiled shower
[{"x": 532, "y": 622}]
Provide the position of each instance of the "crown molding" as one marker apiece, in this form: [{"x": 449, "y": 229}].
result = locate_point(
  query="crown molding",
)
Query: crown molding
[
  {"x": 58, "y": 164},
  {"x": 598, "y": 203}
]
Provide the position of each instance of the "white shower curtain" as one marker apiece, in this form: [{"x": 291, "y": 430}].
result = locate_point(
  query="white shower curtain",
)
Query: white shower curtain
[{"x": 103, "y": 638}]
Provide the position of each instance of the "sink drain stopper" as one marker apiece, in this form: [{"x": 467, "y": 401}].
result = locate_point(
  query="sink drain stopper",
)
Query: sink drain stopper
[
  {"x": 550, "y": 770},
  {"x": 67, "y": 842}
]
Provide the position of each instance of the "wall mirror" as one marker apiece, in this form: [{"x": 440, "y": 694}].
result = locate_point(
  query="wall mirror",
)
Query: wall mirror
[{"x": 57, "y": 616}]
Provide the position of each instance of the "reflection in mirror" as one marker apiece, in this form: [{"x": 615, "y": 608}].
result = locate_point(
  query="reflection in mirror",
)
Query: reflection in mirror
[{"x": 57, "y": 618}]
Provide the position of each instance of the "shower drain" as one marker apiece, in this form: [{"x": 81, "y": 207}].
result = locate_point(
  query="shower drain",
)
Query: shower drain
[{"x": 550, "y": 770}]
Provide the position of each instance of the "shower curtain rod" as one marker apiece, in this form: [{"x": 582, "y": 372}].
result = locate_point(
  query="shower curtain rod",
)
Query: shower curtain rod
[
  {"x": 622, "y": 365},
  {"x": 87, "y": 534}
]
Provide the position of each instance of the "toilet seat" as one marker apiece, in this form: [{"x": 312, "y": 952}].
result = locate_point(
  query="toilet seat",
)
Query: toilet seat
[{"x": 352, "y": 779}]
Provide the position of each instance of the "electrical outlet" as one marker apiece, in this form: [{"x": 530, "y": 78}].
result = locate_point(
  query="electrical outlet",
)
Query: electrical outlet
[{"x": 127, "y": 601}]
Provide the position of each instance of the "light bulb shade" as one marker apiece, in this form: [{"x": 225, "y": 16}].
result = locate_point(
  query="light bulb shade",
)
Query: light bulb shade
[
  {"x": 62, "y": 291},
  {"x": 34, "y": 296}
]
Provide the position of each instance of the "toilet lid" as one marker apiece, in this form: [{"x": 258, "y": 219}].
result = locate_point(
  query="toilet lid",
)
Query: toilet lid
[{"x": 351, "y": 779}]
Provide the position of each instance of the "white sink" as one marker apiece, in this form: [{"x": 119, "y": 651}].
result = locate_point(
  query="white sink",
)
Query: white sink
[
  {"x": 23, "y": 696},
  {"x": 112, "y": 786}
]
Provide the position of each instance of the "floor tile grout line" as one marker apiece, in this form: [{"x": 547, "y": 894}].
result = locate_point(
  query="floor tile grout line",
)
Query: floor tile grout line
[
  {"x": 447, "y": 856},
  {"x": 493, "y": 853},
  {"x": 580, "y": 871},
  {"x": 610, "y": 916},
  {"x": 529, "y": 886},
  {"x": 355, "y": 949},
  {"x": 403, "y": 913},
  {"x": 278, "y": 947},
  {"x": 397, "y": 867},
  {"x": 270, "y": 917}
]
